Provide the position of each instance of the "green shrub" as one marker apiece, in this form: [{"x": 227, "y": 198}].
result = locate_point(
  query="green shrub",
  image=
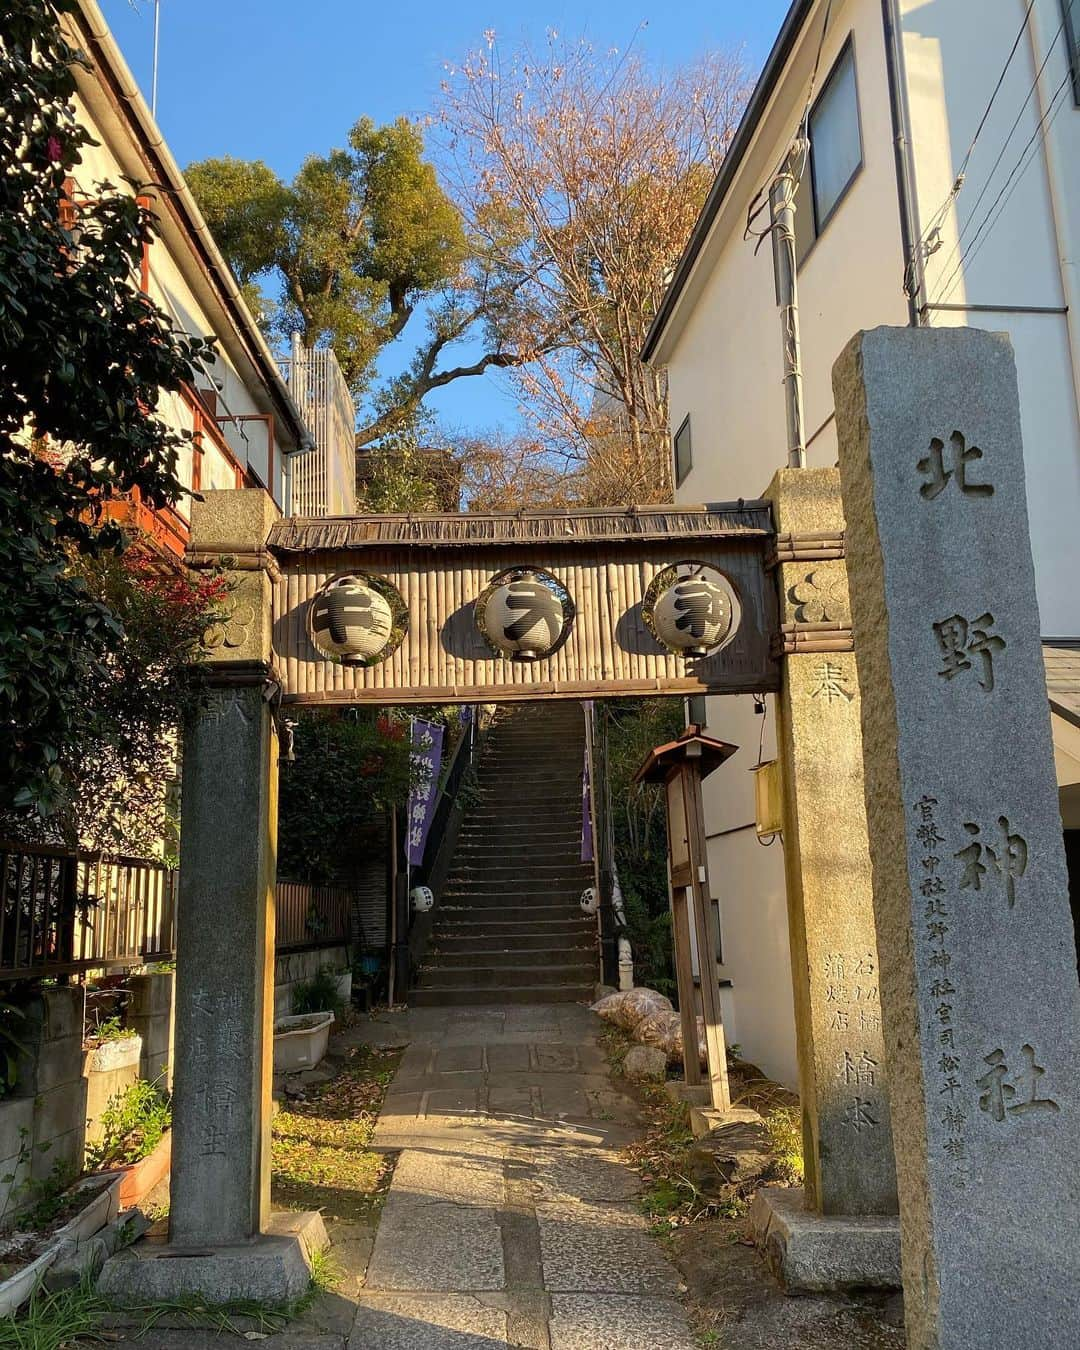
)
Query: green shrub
[
  {"x": 785, "y": 1134},
  {"x": 319, "y": 994},
  {"x": 132, "y": 1125}
]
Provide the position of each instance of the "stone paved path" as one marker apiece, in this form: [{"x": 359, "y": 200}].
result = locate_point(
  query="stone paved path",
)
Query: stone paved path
[{"x": 510, "y": 1221}]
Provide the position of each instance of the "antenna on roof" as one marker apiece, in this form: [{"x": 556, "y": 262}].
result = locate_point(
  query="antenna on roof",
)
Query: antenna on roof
[{"x": 157, "y": 33}]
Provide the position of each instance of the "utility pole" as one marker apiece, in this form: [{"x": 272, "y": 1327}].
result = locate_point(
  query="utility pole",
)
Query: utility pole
[{"x": 782, "y": 205}]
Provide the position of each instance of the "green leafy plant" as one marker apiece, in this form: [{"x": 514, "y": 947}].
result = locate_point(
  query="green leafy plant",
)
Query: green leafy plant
[
  {"x": 132, "y": 1125},
  {"x": 784, "y": 1125},
  {"x": 348, "y": 771},
  {"x": 109, "y": 1029},
  {"x": 85, "y": 358},
  {"x": 630, "y": 730},
  {"x": 319, "y": 994}
]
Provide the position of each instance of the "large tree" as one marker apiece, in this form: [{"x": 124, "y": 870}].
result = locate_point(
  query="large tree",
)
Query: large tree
[
  {"x": 580, "y": 176},
  {"x": 361, "y": 241},
  {"x": 84, "y": 357}
]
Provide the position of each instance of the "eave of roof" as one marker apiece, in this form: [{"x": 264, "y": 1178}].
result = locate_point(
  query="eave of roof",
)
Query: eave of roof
[
  {"x": 116, "y": 77},
  {"x": 747, "y": 519},
  {"x": 782, "y": 48},
  {"x": 1061, "y": 657}
]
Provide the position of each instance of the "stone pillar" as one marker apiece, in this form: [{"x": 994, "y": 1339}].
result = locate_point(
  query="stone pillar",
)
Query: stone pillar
[
  {"x": 225, "y": 919},
  {"x": 847, "y": 1139},
  {"x": 979, "y": 985}
]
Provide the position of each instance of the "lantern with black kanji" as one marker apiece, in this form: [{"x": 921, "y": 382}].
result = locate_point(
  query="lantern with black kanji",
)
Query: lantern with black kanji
[
  {"x": 691, "y": 609},
  {"x": 357, "y": 620},
  {"x": 524, "y": 613}
]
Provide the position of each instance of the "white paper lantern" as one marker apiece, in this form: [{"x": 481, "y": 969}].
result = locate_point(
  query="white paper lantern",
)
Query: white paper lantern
[
  {"x": 691, "y": 609},
  {"x": 352, "y": 620},
  {"x": 588, "y": 900},
  {"x": 423, "y": 899},
  {"x": 524, "y": 613}
]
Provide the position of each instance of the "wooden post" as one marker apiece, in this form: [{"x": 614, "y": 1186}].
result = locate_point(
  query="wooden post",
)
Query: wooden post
[{"x": 680, "y": 766}]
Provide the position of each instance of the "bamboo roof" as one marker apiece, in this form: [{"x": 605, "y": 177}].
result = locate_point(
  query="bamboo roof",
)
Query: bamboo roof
[{"x": 749, "y": 519}]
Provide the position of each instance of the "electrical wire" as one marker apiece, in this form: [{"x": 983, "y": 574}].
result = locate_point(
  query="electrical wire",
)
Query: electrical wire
[
  {"x": 993, "y": 169},
  {"x": 938, "y": 218},
  {"x": 801, "y": 143},
  {"x": 1011, "y": 183}
]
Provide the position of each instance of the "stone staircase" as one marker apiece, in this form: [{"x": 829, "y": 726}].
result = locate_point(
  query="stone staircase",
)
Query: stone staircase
[{"x": 509, "y": 927}]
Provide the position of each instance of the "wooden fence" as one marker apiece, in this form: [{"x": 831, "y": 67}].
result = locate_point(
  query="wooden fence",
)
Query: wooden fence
[
  {"x": 311, "y": 916},
  {"x": 63, "y": 912}
]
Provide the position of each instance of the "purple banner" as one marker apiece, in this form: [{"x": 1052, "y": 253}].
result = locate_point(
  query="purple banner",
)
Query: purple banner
[{"x": 426, "y": 757}]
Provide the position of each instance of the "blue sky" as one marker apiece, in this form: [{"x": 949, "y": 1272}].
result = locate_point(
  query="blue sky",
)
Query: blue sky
[{"x": 279, "y": 79}]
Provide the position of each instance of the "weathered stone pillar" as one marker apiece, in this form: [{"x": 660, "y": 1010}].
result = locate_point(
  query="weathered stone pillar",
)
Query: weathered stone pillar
[
  {"x": 220, "y": 1189},
  {"x": 222, "y": 1242},
  {"x": 847, "y": 1140},
  {"x": 979, "y": 986}
]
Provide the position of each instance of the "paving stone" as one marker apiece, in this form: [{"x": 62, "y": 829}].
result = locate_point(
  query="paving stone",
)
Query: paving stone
[
  {"x": 451, "y": 1102},
  {"x": 459, "y": 1059},
  {"x": 555, "y": 1058},
  {"x": 568, "y": 1172},
  {"x": 436, "y": 1246},
  {"x": 508, "y": 1058},
  {"x": 510, "y": 1100},
  {"x": 618, "y": 1322},
  {"x": 457, "y": 1177},
  {"x": 416, "y": 1322},
  {"x": 598, "y": 1248}
]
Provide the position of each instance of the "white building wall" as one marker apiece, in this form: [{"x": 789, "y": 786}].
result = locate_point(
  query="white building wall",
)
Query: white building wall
[
  {"x": 723, "y": 351},
  {"x": 170, "y": 289}
]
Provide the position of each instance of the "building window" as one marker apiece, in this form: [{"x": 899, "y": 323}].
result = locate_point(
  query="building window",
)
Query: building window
[
  {"x": 835, "y": 152},
  {"x": 1072, "y": 35},
  {"x": 683, "y": 459}
]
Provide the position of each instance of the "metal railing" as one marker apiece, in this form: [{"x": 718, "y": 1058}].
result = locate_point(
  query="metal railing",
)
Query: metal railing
[
  {"x": 64, "y": 912},
  {"x": 311, "y": 916},
  {"x": 322, "y": 482}
]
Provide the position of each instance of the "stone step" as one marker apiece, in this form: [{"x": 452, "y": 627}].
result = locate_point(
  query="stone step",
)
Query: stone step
[
  {"x": 441, "y": 996},
  {"x": 522, "y": 890},
  {"x": 487, "y": 915},
  {"x": 453, "y": 942},
  {"x": 537, "y": 867},
  {"x": 443, "y": 957},
  {"x": 565, "y": 904},
  {"x": 474, "y": 926},
  {"x": 507, "y": 977}
]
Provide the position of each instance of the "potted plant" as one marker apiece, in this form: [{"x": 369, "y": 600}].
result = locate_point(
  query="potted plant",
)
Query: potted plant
[{"x": 135, "y": 1140}]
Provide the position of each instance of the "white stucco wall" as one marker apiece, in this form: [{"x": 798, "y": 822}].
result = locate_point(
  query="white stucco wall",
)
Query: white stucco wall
[
  {"x": 170, "y": 288},
  {"x": 723, "y": 351}
]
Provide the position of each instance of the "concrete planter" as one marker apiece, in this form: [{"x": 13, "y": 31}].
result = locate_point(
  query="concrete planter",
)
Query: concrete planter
[
  {"x": 15, "y": 1291},
  {"x": 137, "y": 1180},
  {"x": 104, "y": 1207},
  {"x": 122, "y": 1053},
  {"x": 90, "y": 1220},
  {"x": 300, "y": 1042}
]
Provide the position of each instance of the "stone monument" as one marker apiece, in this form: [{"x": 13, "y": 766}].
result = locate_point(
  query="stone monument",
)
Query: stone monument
[
  {"x": 979, "y": 989},
  {"x": 223, "y": 1241}
]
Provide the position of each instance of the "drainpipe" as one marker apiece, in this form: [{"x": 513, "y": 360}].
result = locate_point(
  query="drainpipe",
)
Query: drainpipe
[
  {"x": 1066, "y": 227},
  {"x": 910, "y": 234},
  {"x": 782, "y": 204}
]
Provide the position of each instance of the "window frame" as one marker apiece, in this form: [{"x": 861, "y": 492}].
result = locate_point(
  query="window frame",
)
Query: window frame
[
  {"x": 684, "y": 426},
  {"x": 808, "y": 206},
  {"x": 1070, "y": 10}
]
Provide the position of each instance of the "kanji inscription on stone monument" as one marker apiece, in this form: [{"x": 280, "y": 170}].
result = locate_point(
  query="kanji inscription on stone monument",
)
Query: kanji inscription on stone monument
[{"x": 978, "y": 981}]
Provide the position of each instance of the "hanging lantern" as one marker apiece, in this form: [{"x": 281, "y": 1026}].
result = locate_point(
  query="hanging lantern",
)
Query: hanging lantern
[
  {"x": 589, "y": 903},
  {"x": 357, "y": 620},
  {"x": 423, "y": 899},
  {"x": 524, "y": 613},
  {"x": 691, "y": 609}
]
